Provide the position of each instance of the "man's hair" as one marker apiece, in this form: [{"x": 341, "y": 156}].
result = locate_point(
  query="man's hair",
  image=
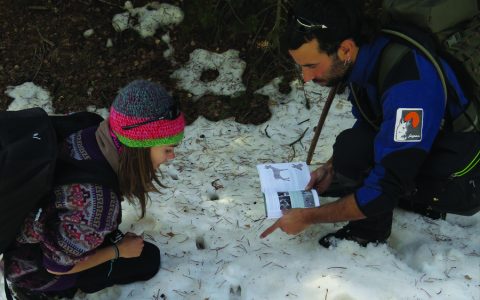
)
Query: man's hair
[
  {"x": 332, "y": 21},
  {"x": 136, "y": 176}
]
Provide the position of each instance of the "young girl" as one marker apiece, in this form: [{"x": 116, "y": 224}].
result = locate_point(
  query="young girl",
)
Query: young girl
[{"x": 74, "y": 243}]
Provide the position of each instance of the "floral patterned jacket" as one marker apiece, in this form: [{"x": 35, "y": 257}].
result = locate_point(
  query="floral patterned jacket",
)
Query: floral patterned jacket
[{"x": 67, "y": 229}]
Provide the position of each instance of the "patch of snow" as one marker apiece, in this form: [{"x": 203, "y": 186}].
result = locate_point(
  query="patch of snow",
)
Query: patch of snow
[
  {"x": 100, "y": 111},
  {"x": 228, "y": 64},
  {"x": 168, "y": 54},
  {"x": 88, "y": 33},
  {"x": 28, "y": 95},
  {"x": 147, "y": 19}
]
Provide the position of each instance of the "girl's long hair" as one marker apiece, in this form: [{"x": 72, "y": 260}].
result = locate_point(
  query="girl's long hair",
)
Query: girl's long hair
[{"x": 137, "y": 176}]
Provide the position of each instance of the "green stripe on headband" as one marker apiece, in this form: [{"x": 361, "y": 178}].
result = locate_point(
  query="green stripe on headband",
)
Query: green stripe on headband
[{"x": 171, "y": 140}]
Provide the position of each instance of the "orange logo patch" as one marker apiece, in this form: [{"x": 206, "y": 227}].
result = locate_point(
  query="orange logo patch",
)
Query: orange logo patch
[{"x": 408, "y": 125}]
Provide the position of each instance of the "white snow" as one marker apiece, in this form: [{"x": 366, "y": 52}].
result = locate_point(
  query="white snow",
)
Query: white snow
[
  {"x": 228, "y": 64},
  {"x": 100, "y": 111},
  {"x": 423, "y": 259},
  {"x": 146, "y": 20},
  {"x": 88, "y": 33},
  {"x": 168, "y": 54},
  {"x": 28, "y": 95},
  {"x": 214, "y": 202}
]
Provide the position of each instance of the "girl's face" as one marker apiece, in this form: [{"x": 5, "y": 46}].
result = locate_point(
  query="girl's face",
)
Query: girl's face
[{"x": 161, "y": 154}]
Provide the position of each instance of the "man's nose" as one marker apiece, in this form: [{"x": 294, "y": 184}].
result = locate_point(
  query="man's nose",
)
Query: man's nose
[{"x": 307, "y": 74}]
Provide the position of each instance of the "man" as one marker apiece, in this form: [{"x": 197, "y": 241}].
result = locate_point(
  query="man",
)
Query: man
[{"x": 395, "y": 153}]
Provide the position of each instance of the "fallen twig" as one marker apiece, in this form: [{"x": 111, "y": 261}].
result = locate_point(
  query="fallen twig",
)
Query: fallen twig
[
  {"x": 300, "y": 138},
  {"x": 448, "y": 272},
  {"x": 37, "y": 7},
  {"x": 266, "y": 133},
  {"x": 220, "y": 248},
  {"x": 109, "y": 3},
  {"x": 291, "y": 157},
  {"x": 50, "y": 43},
  {"x": 157, "y": 296},
  {"x": 188, "y": 277},
  {"x": 303, "y": 122},
  {"x": 429, "y": 296}
]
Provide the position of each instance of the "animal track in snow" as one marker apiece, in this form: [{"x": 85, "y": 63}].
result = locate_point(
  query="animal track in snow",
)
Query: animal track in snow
[
  {"x": 235, "y": 292},
  {"x": 200, "y": 243},
  {"x": 212, "y": 196}
]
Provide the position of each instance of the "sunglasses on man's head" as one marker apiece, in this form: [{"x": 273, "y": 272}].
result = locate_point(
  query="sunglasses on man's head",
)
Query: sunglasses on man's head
[
  {"x": 309, "y": 25},
  {"x": 171, "y": 114}
]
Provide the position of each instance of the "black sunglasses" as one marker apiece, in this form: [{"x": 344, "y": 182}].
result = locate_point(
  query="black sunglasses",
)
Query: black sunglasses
[
  {"x": 308, "y": 25},
  {"x": 171, "y": 114}
]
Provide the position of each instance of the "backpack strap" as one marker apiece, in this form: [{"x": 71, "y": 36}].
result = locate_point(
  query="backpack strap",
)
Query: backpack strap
[
  {"x": 390, "y": 57},
  {"x": 397, "y": 51},
  {"x": 468, "y": 120},
  {"x": 69, "y": 170},
  {"x": 68, "y": 124}
]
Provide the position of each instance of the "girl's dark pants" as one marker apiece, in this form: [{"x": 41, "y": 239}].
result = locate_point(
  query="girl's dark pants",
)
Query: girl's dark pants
[{"x": 123, "y": 271}]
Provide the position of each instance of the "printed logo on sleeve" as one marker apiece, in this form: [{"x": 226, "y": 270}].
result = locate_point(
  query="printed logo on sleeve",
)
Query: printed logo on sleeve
[{"x": 408, "y": 126}]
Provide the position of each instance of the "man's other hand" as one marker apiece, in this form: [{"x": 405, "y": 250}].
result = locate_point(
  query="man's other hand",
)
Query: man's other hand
[{"x": 321, "y": 178}]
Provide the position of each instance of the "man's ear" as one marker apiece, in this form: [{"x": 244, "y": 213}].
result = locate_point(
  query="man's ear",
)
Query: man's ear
[{"x": 347, "y": 51}]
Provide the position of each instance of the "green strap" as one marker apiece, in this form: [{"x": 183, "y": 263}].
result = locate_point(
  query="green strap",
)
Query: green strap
[{"x": 469, "y": 167}]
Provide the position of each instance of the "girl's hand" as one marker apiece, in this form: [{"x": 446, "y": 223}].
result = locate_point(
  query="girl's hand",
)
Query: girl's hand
[{"x": 130, "y": 246}]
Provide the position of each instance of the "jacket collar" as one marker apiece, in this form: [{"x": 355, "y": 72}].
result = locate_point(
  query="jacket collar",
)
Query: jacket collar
[{"x": 366, "y": 61}]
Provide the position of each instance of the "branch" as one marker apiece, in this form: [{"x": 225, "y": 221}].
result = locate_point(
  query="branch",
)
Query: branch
[
  {"x": 266, "y": 133},
  {"x": 300, "y": 138}
]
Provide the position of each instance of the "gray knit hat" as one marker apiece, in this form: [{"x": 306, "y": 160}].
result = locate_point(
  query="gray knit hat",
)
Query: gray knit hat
[{"x": 144, "y": 115}]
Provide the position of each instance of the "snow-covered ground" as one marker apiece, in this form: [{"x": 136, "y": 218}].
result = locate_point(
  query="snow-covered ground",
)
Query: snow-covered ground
[{"x": 207, "y": 223}]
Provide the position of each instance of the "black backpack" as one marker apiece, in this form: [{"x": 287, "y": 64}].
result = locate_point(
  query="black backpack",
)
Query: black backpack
[
  {"x": 455, "y": 27},
  {"x": 30, "y": 164}
]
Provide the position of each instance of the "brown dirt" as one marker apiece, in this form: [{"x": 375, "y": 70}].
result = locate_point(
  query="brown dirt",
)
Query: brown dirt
[{"x": 43, "y": 42}]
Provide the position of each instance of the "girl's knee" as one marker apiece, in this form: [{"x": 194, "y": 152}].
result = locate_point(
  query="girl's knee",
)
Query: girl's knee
[{"x": 151, "y": 260}]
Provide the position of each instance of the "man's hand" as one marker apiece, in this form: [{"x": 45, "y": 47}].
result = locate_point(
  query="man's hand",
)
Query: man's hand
[
  {"x": 321, "y": 178},
  {"x": 293, "y": 221}
]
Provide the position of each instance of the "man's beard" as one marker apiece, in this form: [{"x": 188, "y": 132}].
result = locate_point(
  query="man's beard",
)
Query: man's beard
[{"x": 338, "y": 73}]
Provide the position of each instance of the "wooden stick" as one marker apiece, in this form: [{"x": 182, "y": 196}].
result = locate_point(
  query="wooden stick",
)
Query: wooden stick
[{"x": 321, "y": 121}]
